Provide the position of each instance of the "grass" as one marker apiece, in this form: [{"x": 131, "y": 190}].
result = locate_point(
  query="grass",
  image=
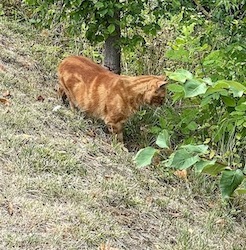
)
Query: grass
[{"x": 64, "y": 185}]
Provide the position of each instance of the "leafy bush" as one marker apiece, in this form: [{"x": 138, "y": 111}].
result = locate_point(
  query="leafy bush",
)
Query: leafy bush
[{"x": 213, "y": 116}]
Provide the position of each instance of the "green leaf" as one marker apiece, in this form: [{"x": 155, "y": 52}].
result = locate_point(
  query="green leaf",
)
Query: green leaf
[
  {"x": 99, "y": 5},
  {"x": 241, "y": 191},
  {"x": 111, "y": 28},
  {"x": 229, "y": 181},
  {"x": 221, "y": 84},
  {"x": 111, "y": 12},
  {"x": 177, "y": 96},
  {"x": 170, "y": 54},
  {"x": 229, "y": 102},
  {"x": 192, "y": 126},
  {"x": 163, "y": 122},
  {"x": 237, "y": 85},
  {"x": 213, "y": 170},
  {"x": 241, "y": 107},
  {"x": 103, "y": 12},
  {"x": 217, "y": 90},
  {"x": 179, "y": 54},
  {"x": 208, "y": 81},
  {"x": 30, "y": 2},
  {"x": 1, "y": 10},
  {"x": 181, "y": 159},
  {"x": 199, "y": 166},
  {"x": 206, "y": 100},
  {"x": 175, "y": 88},
  {"x": 180, "y": 75},
  {"x": 194, "y": 88},
  {"x": 213, "y": 58},
  {"x": 187, "y": 30},
  {"x": 144, "y": 156},
  {"x": 199, "y": 149},
  {"x": 237, "y": 88},
  {"x": 163, "y": 139}
]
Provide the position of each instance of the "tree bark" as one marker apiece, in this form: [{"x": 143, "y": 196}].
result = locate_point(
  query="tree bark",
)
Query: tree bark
[{"x": 112, "y": 50}]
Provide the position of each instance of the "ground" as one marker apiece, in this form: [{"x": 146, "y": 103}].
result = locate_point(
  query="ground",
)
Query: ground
[{"x": 64, "y": 185}]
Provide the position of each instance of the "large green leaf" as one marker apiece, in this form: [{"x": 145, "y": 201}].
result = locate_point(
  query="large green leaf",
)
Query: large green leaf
[
  {"x": 217, "y": 89},
  {"x": 220, "y": 84},
  {"x": 237, "y": 85},
  {"x": 163, "y": 139},
  {"x": 180, "y": 75},
  {"x": 200, "y": 149},
  {"x": 237, "y": 88},
  {"x": 181, "y": 159},
  {"x": 213, "y": 169},
  {"x": 229, "y": 181},
  {"x": 194, "y": 87},
  {"x": 200, "y": 165},
  {"x": 175, "y": 88},
  {"x": 144, "y": 156}
]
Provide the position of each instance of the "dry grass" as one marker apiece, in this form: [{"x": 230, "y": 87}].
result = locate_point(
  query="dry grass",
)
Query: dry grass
[{"x": 64, "y": 186}]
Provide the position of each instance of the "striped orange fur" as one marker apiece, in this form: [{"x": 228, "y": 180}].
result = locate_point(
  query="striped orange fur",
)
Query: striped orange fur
[{"x": 105, "y": 95}]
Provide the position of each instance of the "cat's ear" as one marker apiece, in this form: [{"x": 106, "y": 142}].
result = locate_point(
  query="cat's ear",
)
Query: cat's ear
[{"x": 163, "y": 81}]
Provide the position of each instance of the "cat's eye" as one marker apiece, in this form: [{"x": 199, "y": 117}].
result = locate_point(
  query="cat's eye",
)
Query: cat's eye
[{"x": 163, "y": 86}]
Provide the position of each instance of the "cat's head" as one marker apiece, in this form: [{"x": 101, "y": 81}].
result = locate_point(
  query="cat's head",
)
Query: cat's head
[{"x": 156, "y": 92}]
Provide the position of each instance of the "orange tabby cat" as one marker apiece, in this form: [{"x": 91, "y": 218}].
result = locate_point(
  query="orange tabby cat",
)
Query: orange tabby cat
[{"x": 105, "y": 95}]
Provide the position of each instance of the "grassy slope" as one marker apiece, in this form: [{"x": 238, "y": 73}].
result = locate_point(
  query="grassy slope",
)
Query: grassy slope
[{"x": 63, "y": 188}]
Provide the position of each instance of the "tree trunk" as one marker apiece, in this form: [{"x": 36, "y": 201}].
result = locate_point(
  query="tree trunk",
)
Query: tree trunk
[{"x": 112, "y": 51}]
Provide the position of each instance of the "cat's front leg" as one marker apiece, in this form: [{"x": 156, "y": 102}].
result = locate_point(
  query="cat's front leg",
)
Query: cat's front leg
[
  {"x": 65, "y": 97},
  {"x": 72, "y": 106},
  {"x": 116, "y": 129},
  {"x": 120, "y": 137}
]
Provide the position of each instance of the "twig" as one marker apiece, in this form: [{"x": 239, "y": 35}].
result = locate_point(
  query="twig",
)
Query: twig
[{"x": 201, "y": 8}]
